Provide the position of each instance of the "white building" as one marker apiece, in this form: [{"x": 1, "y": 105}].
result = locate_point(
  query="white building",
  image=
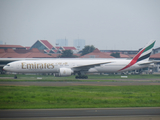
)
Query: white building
[
  {"x": 79, "y": 44},
  {"x": 61, "y": 42}
]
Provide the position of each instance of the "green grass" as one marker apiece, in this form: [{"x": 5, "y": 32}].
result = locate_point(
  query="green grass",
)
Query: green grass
[{"x": 22, "y": 97}]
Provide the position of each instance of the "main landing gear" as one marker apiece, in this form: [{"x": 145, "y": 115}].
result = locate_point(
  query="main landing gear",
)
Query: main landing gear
[
  {"x": 15, "y": 76},
  {"x": 81, "y": 77}
]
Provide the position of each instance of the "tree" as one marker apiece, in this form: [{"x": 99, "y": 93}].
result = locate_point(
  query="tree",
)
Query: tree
[
  {"x": 116, "y": 55},
  {"x": 67, "y": 54},
  {"x": 87, "y": 49}
]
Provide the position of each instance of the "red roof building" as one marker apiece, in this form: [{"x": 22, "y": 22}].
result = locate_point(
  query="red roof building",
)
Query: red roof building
[
  {"x": 8, "y": 53},
  {"x": 97, "y": 54},
  {"x": 47, "y": 44},
  {"x": 12, "y": 47},
  {"x": 42, "y": 45},
  {"x": 34, "y": 53},
  {"x": 57, "y": 48},
  {"x": 27, "y": 48},
  {"x": 55, "y": 55},
  {"x": 49, "y": 48},
  {"x": 155, "y": 56},
  {"x": 124, "y": 56},
  {"x": 69, "y": 48}
]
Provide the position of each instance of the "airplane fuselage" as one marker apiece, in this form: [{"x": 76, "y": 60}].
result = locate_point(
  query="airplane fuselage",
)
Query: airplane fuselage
[{"x": 53, "y": 66}]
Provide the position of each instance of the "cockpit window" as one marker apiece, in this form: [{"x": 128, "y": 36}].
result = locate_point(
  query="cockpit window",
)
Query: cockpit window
[{"x": 8, "y": 64}]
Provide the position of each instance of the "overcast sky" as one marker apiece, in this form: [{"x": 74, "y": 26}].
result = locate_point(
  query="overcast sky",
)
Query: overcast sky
[{"x": 106, "y": 24}]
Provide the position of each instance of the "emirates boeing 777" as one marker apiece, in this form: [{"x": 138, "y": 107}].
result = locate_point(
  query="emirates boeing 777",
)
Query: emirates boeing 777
[{"x": 67, "y": 67}]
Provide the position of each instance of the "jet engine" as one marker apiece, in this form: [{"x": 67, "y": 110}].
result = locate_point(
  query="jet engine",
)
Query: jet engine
[{"x": 64, "y": 72}]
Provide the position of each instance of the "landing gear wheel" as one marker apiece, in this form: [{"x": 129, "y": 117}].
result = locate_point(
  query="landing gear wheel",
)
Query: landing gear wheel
[
  {"x": 82, "y": 77},
  {"x": 15, "y": 77}
]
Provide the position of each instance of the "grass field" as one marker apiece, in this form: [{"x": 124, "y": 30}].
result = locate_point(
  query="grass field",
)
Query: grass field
[{"x": 22, "y": 97}]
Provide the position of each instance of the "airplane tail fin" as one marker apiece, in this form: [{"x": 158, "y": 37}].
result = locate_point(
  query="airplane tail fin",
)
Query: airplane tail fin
[{"x": 144, "y": 53}]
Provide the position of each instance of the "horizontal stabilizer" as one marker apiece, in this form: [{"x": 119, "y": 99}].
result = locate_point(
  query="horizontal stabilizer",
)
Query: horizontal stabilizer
[
  {"x": 146, "y": 63},
  {"x": 149, "y": 62}
]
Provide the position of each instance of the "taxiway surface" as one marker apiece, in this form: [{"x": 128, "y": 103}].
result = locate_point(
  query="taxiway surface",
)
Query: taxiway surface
[
  {"x": 115, "y": 83},
  {"x": 80, "y": 113}
]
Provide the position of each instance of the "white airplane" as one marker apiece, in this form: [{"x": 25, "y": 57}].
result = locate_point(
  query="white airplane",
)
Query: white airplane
[{"x": 81, "y": 66}]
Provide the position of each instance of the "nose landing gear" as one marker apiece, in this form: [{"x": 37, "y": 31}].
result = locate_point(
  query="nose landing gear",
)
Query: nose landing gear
[{"x": 15, "y": 77}]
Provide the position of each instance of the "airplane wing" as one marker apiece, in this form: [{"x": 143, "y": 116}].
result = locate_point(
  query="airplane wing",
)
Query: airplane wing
[
  {"x": 87, "y": 66},
  {"x": 150, "y": 62}
]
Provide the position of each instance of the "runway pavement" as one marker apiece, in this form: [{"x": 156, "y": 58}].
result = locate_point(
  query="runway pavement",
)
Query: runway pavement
[
  {"x": 80, "y": 113},
  {"x": 116, "y": 83}
]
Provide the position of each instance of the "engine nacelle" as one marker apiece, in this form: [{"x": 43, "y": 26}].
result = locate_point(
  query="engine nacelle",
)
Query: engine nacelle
[{"x": 64, "y": 72}]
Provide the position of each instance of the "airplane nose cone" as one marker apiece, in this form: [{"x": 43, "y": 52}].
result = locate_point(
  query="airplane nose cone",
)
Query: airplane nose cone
[{"x": 5, "y": 68}]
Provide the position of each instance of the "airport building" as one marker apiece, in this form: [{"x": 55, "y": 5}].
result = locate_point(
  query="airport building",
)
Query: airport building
[
  {"x": 48, "y": 48},
  {"x": 14, "y": 47},
  {"x": 156, "y": 50},
  {"x": 127, "y": 52},
  {"x": 98, "y": 54},
  {"x": 42, "y": 45}
]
